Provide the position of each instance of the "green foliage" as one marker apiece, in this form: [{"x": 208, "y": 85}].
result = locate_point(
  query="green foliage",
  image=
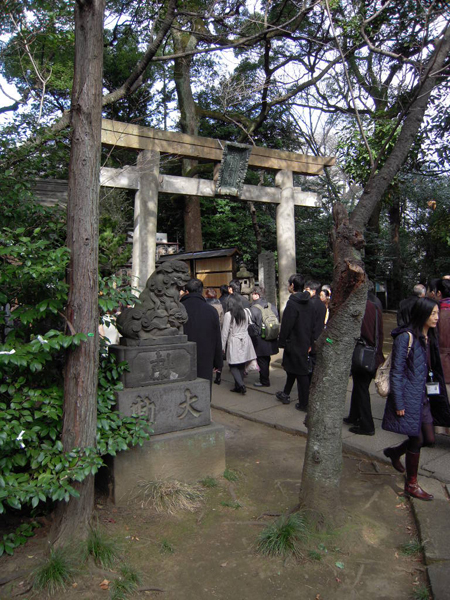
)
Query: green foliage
[
  {"x": 55, "y": 573},
  {"x": 19, "y": 537},
  {"x": 126, "y": 584},
  {"x": 284, "y": 537},
  {"x": 34, "y": 467},
  {"x": 114, "y": 253},
  {"x": 101, "y": 547}
]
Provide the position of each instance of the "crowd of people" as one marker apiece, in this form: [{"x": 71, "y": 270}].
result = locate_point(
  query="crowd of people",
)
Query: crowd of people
[{"x": 247, "y": 332}]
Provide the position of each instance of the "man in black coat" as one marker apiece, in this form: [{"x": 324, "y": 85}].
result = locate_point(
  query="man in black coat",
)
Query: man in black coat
[
  {"x": 203, "y": 327},
  {"x": 296, "y": 337},
  {"x": 264, "y": 348}
]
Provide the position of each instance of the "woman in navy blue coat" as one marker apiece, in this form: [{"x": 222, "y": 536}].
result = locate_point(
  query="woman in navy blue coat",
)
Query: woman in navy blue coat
[{"x": 408, "y": 408}]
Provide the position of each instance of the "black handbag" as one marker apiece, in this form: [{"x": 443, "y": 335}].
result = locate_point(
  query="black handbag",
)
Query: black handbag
[
  {"x": 364, "y": 359},
  {"x": 253, "y": 329}
]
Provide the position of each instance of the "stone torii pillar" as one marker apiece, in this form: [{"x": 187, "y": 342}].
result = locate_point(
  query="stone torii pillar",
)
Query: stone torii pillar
[
  {"x": 145, "y": 218},
  {"x": 285, "y": 233}
]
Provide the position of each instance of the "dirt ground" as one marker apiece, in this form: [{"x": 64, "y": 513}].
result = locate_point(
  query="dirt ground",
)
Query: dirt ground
[{"x": 212, "y": 551}]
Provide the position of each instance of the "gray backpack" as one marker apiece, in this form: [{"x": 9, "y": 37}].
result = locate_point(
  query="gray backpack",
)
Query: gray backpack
[{"x": 270, "y": 326}]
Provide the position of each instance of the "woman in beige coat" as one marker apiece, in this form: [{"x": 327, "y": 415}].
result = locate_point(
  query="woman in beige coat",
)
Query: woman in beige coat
[{"x": 237, "y": 342}]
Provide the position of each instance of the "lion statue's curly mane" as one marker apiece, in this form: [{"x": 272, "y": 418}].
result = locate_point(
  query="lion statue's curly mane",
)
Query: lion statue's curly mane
[{"x": 159, "y": 312}]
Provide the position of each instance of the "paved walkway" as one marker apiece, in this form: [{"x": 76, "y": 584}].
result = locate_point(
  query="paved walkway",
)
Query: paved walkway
[{"x": 433, "y": 518}]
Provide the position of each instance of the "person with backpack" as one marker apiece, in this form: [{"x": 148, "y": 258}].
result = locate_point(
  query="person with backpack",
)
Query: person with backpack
[
  {"x": 297, "y": 338},
  {"x": 265, "y": 317}
]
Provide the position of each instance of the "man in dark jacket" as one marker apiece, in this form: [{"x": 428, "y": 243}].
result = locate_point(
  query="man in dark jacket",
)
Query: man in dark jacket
[
  {"x": 360, "y": 415},
  {"x": 264, "y": 348},
  {"x": 203, "y": 328},
  {"x": 296, "y": 337}
]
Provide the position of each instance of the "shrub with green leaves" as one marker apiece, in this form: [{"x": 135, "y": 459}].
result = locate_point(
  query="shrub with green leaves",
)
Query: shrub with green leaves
[{"x": 34, "y": 337}]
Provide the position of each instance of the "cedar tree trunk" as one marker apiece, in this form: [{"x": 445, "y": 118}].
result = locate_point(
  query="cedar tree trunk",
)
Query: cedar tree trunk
[
  {"x": 193, "y": 239},
  {"x": 80, "y": 381}
]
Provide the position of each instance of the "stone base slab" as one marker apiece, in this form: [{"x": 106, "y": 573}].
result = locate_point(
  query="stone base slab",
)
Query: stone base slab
[
  {"x": 185, "y": 456},
  {"x": 169, "y": 407},
  {"x": 157, "y": 363}
]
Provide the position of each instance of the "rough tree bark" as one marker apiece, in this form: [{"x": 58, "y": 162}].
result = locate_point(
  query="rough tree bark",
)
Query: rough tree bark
[
  {"x": 319, "y": 491},
  {"x": 80, "y": 377},
  {"x": 193, "y": 239},
  {"x": 396, "y": 292}
]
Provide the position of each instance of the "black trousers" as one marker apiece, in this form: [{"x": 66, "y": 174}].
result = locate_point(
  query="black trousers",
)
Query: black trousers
[
  {"x": 264, "y": 369},
  {"x": 302, "y": 387},
  {"x": 360, "y": 408}
]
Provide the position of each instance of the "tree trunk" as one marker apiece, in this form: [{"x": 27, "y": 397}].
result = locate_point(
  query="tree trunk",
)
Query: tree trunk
[
  {"x": 323, "y": 458},
  {"x": 397, "y": 292},
  {"x": 80, "y": 381},
  {"x": 193, "y": 239},
  {"x": 323, "y": 461}
]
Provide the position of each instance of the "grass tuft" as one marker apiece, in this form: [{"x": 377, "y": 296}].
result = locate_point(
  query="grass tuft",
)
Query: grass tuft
[
  {"x": 421, "y": 593},
  {"x": 166, "y": 547},
  {"x": 209, "y": 482},
  {"x": 284, "y": 537},
  {"x": 102, "y": 548},
  {"x": 412, "y": 547},
  {"x": 126, "y": 584},
  {"x": 230, "y": 475},
  {"x": 54, "y": 573},
  {"x": 314, "y": 555},
  {"x": 230, "y": 504},
  {"x": 172, "y": 496}
]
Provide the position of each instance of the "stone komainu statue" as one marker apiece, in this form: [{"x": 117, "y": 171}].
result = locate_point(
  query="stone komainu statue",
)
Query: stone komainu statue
[{"x": 159, "y": 312}]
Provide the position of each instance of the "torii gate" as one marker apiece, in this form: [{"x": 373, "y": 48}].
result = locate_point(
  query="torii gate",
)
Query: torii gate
[{"x": 146, "y": 179}]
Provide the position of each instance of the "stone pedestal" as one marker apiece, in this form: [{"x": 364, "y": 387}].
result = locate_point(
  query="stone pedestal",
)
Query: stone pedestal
[
  {"x": 169, "y": 407},
  {"x": 162, "y": 385},
  {"x": 165, "y": 361},
  {"x": 186, "y": 456}
]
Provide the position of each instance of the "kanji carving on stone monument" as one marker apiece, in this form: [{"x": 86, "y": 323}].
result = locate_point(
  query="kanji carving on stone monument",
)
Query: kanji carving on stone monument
[
  {"x": 187, "y": 405},
  {"x": 160, "y": 367},
  {"x": 144, "y": 407},
  {"x": 159, "y": 312}
]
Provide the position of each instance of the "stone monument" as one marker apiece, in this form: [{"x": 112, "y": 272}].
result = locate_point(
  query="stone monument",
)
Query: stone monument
[
  {"x": 163, "y": 386},
  {"x": 267, "y": 275}
]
